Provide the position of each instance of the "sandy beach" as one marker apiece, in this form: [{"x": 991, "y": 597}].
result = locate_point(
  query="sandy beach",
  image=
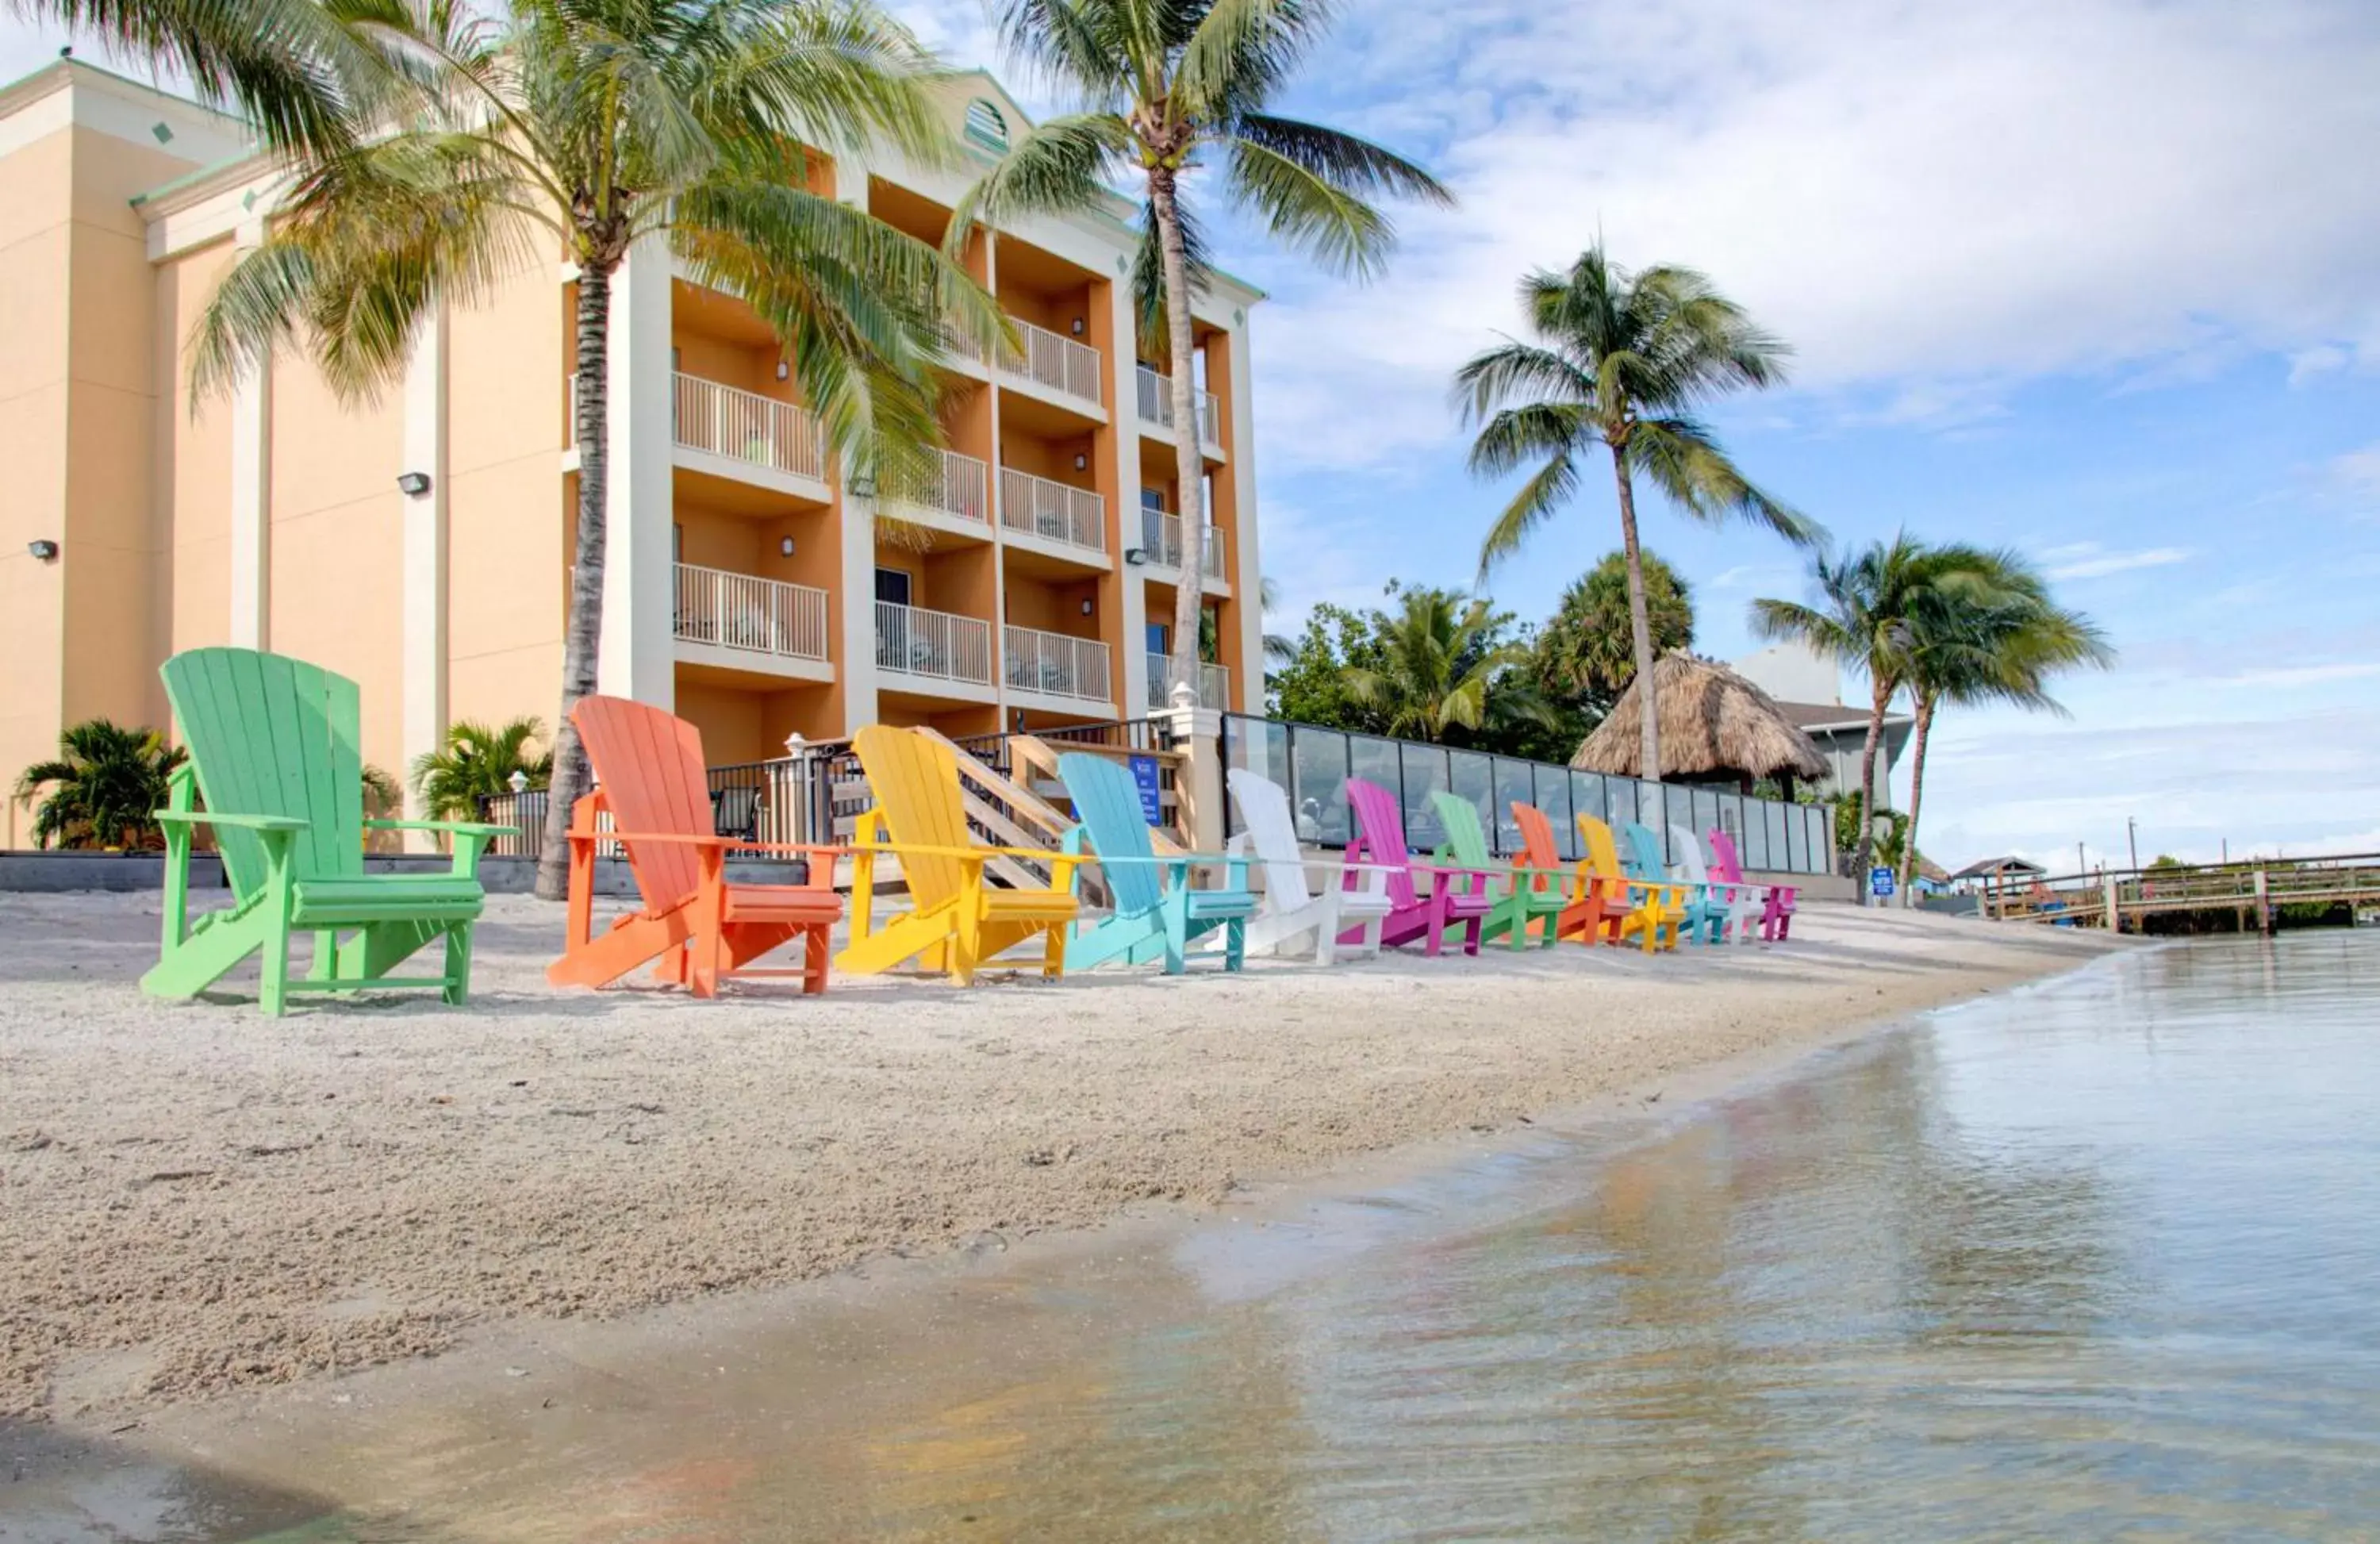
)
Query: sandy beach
[{"x": 200, "y": 1199}]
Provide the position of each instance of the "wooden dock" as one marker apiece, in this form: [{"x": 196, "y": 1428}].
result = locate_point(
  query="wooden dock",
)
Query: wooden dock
[{"x": 2255, "y": 889}]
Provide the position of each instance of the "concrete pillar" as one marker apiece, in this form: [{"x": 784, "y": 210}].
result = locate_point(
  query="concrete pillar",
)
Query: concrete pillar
[
  {"x": 1197, "y": 732},
  {"x": 1133, "y": 587},
  {"x": 855, "y": 645},
  {"x": 251, "y": 490},
  {"x": 1247, "y": 572},
  {"x": 424, "y": 603},
  {"x": 639, "y": 654}
]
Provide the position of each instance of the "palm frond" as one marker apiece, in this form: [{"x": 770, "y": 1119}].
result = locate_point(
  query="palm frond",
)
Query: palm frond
[
  {"x": 1060, "y": 165},
  {"x": 1301, "y": 207},
  {"x": 1679, "y": 456},
  {"x": 1548, "y": 489}
]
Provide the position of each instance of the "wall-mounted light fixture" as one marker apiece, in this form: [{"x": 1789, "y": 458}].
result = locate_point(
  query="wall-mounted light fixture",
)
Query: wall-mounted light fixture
[
  {"x": 1086, "y": 608},
  {"x": 784, "y": 546},
  {"x": 784, "y": 369},
  {"x": 1135, "y": 556},
  {"x": 1078, "y": 327},
  {"x": 45, "y": 550},
  {"x": 413, "y": 484},
  {"x": 1082, "y": 463},
  {"x": 519, "y": 780}
]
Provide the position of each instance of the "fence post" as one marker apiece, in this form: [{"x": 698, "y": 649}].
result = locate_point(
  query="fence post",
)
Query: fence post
[
  {"x": 2114, "y": 915},
  {"x": 1197, "y": 732}
]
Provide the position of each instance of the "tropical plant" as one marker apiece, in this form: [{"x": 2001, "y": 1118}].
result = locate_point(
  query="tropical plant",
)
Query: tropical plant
[
  {"x": 1585, "y": 654},
  {"x": 1443, "y": 667},
  {"x": 1310, "y": 685},
  {"x": 1864, "y": 619},
  {"x": 1619, "y": 360},
  {"x": 105, "y": 788},
  {"x": 594, "y": 126},
  {"x": 478, "y": 762},
  {"x": 1996, "y": 637},
  {"x": 1157, "y": 85}
]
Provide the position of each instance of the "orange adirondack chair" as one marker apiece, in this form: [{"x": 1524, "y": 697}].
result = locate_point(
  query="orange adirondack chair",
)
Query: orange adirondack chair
[
  {"x": 649, "y": 776},
  {"x": 1587, "y": 918}
]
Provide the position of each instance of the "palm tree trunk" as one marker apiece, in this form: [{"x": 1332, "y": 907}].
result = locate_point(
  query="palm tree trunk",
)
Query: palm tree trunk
[
  {"x": 1925, "y": 705},
  {"x": 1866, "y": 843},
  {"x": 584, "y": 634},
  {"x": 1189, "y": 468},
  {"x": 1640, "y": 625}
]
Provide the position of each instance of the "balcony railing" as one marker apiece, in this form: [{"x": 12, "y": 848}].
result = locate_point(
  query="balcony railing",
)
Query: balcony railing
[
  {"x": 1161, "y": 538},
  {"x": 1060, "y": 363},
  {"x": 746, "y": 426},
  {"x": 1214, "y": 683},
  {"x": 1157, "y": 404},
  {"x": 1054, "y": 664},
  {"x": 911, "y": 640},
  {"x": 740, "y": 611},
  {"x": 1052, "y": 510},
  {"x": 958, "y": 487}
]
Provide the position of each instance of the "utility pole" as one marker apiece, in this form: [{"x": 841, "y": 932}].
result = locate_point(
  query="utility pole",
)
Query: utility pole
[
  {"x": 2080, "y": 866},
  {"x": 2132, "y": 840}
]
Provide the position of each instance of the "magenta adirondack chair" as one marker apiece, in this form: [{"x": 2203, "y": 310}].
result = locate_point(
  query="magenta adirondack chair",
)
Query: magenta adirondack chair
[
  {"x": 1776, "y": 906},
  {"x": 1379, "y": 840}
]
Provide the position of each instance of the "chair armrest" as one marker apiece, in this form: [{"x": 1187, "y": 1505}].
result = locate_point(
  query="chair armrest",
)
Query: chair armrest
[
  {"x": 221, "y": 817},
  {"x": 456, "y": 828}
]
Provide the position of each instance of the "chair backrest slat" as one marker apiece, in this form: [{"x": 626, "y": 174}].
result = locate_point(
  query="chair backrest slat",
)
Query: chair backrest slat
[
  {"x": 1644, "y": 857},
  {"x": 1381, "y": 836},
  {"x": 1690, "y": 854},
  {"x": 649, "y": 766},
  {"x": 915, "y": 780},
  {"x": 1725, "y": 864},
  {"x": 1272, "y": 831},
  {"x": 1106, "y": 801},
  {"x": 1602, "y": 851},
  {"x": 1466, "y": 839},
  {"x": 272, "y": 736}
]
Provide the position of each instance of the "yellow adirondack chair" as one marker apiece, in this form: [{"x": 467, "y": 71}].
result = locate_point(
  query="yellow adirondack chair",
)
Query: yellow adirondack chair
[
  {"x": 1648, "y": 909},
  {"x": 956, "y": 921}
]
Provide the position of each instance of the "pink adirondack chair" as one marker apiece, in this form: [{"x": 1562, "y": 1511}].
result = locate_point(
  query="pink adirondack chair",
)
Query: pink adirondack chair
[
  {"x": 1380, "y": 841},
  {"x": 1776, "y": 906}
]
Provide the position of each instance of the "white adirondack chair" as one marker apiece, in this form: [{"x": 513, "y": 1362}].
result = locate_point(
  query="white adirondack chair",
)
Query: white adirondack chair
[
  {"x": 1743, "y": 901},
  {"x": 1291, "y": 910}
]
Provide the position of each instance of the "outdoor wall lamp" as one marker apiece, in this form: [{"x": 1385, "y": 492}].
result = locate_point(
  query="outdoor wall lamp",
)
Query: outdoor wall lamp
[
  {"x": 1078, "y": 326},
  {"x": 784, "y": 546},
  {"x": 519, "y": 780},
  {"x": 1086, "y": 608},
  {"x": 783, "y": 370},
  {"x": 1135, "y": 556},
  {"x": 1082, "y": 463},
  {"x": 413, "y": 484},
  {"x": 45, "y": 551}
]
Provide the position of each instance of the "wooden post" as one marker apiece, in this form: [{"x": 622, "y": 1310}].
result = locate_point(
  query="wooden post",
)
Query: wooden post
[
  {"x": 2115, "y": 916},
  {"x": 2263, "y": 904}
]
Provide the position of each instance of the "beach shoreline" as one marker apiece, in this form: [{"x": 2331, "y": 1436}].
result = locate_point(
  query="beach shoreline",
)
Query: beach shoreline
[{"x": 207, "y": 1201}]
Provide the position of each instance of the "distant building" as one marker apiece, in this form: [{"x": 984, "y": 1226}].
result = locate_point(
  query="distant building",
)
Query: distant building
[{"x": 1808, "y": 688}]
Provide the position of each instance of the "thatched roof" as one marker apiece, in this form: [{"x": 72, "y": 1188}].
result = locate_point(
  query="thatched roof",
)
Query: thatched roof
[{"x": 1713, "y": 721}]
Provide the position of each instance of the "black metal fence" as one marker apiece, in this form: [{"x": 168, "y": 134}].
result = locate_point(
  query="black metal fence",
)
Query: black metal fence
[{"x": 1314, "y": 764}]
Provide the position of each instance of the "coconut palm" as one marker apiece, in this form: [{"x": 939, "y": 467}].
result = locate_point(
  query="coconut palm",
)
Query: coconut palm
[
  {"x": 590, "y": 125},
  {"x": 1619, "y": 360},
  {"x": 1865, "y": 620},
  {"x": 1998, "y": 641},
  {"x": 1443, "y": 668},
  {"x": 476, "y": 763},
  {"x": 104, "y": 789},
  {"x": 1159, "y": 87}
]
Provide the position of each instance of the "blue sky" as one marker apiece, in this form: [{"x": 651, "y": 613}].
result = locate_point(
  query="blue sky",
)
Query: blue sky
[{"x": 2092, "y": 278}]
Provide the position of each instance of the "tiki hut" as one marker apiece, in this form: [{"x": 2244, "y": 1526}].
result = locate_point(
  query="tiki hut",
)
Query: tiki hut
[{"x": 1716, "y": 727}]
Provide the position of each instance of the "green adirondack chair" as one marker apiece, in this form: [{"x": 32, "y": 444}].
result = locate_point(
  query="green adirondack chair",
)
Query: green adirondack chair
[
  {"x": 273, "y": 752},
  {"x": 1529, "y": 893}
]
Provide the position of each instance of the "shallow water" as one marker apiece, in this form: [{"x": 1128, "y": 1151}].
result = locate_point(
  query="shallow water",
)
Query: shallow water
[{"x": 2094, "y": 1259}]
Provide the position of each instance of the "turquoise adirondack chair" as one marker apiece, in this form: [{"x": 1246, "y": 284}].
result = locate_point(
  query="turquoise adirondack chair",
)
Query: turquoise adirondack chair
[
  {"x": 275, "y": 753},
  {"x": 1530, "y": 894},
  {"x": 1706, "y": 916},
  {"x": 1157, "y": 914}
]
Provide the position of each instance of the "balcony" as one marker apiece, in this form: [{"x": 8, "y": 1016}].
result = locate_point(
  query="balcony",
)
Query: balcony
[
  {"x": 745, "y": 426},
  {"x": 933, "y": 646},
  {"x": 745, "y": 621},
  {"x": 1161, "y": 538},
  {"x": 957, "y": 490},
  {"x": 1157, "y": 406},
  {"x": 1054, "y": 665},
  {"x": 1060, "y": 364},
  {"x": 1052, "y": 511},
  {"x": 1214, "y": 683}
]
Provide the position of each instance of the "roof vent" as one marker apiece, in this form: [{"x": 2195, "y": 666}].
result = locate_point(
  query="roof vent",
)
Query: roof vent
[
  {"x": 985, "y": 125},
  {"x": 165, "y": 135}
]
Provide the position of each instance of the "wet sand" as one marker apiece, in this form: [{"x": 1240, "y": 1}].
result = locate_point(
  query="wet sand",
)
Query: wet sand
[{"x": 201, "y": 1200}]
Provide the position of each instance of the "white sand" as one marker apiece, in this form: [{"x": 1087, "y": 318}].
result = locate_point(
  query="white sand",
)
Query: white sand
[{"x": 197, "y": 1197}]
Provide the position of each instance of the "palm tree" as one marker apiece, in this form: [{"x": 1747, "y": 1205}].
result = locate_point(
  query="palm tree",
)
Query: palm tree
[
  {"x": 1865, "y": 620},
  {"x": 478, "y": 763},
  {"x": 592, "y": 124},
  {"x": 1619, "y": 360},
  {"x": 104, "y": 789},
  {"x": 1585, "y": 652},
  {"x": 1998, "y": 640},
  {"x": 1444, "y": 669},
  {"x": 1158, "y": 85}
]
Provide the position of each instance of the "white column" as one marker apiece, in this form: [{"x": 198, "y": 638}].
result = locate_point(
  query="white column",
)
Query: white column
[
  {"x": 425, "y": 560},
  {"x": 1247, "y": 577},
  {"x": 251, "y": 490},
  {"x": 638, "y": 655},
  {"x": 1127, "y": 439},
  {"x": 856, "y": 596}
]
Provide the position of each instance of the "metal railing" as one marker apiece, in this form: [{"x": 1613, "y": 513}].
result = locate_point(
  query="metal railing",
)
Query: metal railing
[
  {"x": 1161, "y": 538},
  {"x": 742, "y": 611},
  {"x": 1214, "y": 682},
  {"x": 746, "y": 426},
  {"x": 911, "y": 640},
  {"x": 1314, "y": 764},
  {"x": 1060, "y": 363},
  {"x": 958, "y": 487},
  {"x": 1052, "y": 511},
  {"x": 1157, "y": 404},
  {"x": 1054, "y": 664}
]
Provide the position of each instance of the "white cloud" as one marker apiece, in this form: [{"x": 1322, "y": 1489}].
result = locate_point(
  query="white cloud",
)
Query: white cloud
[{"x": 2088, "y": 560}]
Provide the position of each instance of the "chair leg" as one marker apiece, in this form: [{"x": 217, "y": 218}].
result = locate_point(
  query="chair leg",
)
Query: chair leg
[
  {"x": 1053, "y": 953},
  {"x": 274, "y": 995},
  {"x": 814, "y": 958},
  {"x": 1235, "y": 943},
  {"x": 326, "y": 955},
  {"x": 458, "y": 966}
]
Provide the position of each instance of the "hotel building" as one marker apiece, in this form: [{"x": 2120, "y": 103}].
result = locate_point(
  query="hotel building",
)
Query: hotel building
[{"x": 751, "y": 586}]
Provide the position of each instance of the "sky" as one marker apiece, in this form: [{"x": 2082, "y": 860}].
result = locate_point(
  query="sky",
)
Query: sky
[{"x": 2096, "y": 279}]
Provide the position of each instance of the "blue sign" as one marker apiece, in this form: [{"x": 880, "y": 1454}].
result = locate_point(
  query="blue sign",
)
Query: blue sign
[
  {"x": 1152, "y": 798},
  {"x": 1879, "y": 880}
]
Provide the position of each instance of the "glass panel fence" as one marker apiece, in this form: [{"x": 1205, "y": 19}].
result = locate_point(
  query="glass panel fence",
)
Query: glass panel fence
[
  {"x": 1553, "y": 798},
  {"x": 1472, "y": 775},
  {"x": 1424, "y": 774},
  {"x": 1318, "y": 759},
  {"x": 1516, "y": 780},
  {"x": 1585, "y": 798}
]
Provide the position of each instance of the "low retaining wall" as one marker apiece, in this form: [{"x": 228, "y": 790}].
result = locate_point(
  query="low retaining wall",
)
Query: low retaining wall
[{"x": 59, "y": 872}]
